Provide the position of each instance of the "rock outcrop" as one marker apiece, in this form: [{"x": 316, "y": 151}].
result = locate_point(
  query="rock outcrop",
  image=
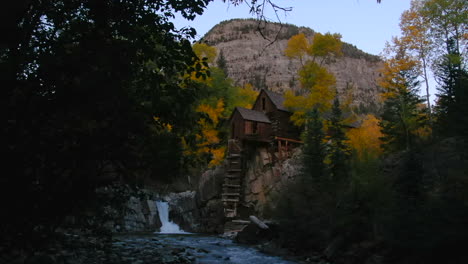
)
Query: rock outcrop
[
  {"x": 208, "y": 199},
  {"x": 183, "y": 210},
  {"x": 126, "y": 209},
  {"x": 254, "y": 53},
  {"x": 265, "y": 179}
]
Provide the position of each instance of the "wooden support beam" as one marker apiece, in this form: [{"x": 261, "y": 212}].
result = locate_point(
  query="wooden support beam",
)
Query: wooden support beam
[
  {"x": 279, "y": 150},
  {"x": 289, "y": 139}
]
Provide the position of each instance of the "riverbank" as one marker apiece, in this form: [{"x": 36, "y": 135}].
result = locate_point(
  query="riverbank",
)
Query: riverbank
[
  {"x": 193, "y": 248},
  {"x": 141, "y": 248}
]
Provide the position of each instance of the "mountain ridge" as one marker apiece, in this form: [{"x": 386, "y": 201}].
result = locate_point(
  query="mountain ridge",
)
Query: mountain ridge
[{"x": 254, "y": 53}]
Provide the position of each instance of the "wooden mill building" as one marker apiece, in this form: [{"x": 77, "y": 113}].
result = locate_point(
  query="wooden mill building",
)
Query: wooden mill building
[
  {"x": 267, "y": 121},
  {"x": 266, "y": 124}
]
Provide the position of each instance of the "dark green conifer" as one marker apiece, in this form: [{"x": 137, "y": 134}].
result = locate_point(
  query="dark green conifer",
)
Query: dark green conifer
[
  {"x": 314, "y": 149},
  {"x": 222, "y": 63},
  {"x": 402, "y": 114},
  {"x": 339, "y": 151},
  {"x": 452, "y": 107}
]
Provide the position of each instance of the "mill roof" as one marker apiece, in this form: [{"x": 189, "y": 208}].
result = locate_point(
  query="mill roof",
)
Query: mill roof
[
  {"x": 277, "y": 100},
  {"x": 253, "y": 115}
]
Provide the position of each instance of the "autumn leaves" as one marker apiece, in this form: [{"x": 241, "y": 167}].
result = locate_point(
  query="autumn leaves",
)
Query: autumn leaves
[
  {"x": 206, "y": 143},
  {"x": 318, "y": 89},
  {"x": 316, "y": 82}
]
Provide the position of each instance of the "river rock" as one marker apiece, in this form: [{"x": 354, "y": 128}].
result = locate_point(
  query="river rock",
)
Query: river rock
[
  {"x": 134, "y": 218},
  {"x": 209, "y": 185},
  {"x": 211, "y": 217},
  {"x": 183, "y": 210},
  {"x": 208, "y": 201},
  {"x": 252, "y": 234}
]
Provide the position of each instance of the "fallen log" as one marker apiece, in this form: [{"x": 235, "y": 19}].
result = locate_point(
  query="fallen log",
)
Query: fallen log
[{"x": 257, "y": 221}]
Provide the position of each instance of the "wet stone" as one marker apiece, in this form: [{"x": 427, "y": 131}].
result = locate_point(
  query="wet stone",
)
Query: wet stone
[{"x": 201, "y": 250}]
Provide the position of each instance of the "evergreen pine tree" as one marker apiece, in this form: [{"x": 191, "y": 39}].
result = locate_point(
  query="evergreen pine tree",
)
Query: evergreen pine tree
[
  {"x": 402, "y": 114},
  {"x": 221, "y": 62},
  {"x": 452, "y": 107},
  {"x": 313, "y": 149},
  {"x": 339, "y": 151}
]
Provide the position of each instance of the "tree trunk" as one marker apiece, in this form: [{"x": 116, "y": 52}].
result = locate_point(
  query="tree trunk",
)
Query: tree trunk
[{"x": 259, "y": 223}]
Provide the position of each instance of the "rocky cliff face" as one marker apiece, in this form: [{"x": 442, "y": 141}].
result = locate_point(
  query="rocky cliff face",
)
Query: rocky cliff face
[
  {"x": 208, "y": 199},
  {"x": 254, "y": 53},
  {"x": 266, "y": 178}
]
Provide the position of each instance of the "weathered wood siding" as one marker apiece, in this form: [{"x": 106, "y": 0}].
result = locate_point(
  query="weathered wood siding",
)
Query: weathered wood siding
[
  {"x": 257, "y": 131},
  {"x": 237, "y": 126},
  {"x": 245, "y": 129},
  {"x": 282, "y": 126},
  {"x": 264, "y": 103}
]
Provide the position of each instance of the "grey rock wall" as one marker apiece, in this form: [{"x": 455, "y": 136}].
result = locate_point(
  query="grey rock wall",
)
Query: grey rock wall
[
  {"x": 140, "y": 215},
  {"x": 266, "y": 178},
  {"x": 125, "y": 209},
  {"x": 183, "y": 210},
  {"x": 208, "y": 199},
  {"x": 252, "y": 58}
]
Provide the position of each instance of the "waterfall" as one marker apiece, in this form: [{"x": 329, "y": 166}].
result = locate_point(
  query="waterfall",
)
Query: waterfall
[{"x": 167, "y": 227}]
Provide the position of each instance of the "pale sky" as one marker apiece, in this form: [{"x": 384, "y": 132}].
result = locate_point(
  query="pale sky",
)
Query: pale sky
[{"x": 363, "y": 23}]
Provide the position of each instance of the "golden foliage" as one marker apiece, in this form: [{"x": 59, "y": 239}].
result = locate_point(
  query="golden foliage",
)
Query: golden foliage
[
  {"x": 203, "y": 50},
  {"x": 205, "y": 54},
  {"x": 244, "y": 96},
  {"x": 321, "y": 45},
  {"x": 324, "y": 45},
  {"x": 298, "y": 46},
  {"x": 317, "y": 83},
  {"x": 208, "y": 140},
  {"x": 299, "y": 105},
  {"x": 414, "y": 30},
  {"x": 365, "y": 140},
  {"x": 162, "y": 125},
  {"x": 217, "y": 156},
  {"x": 186, "y": 150},
  {"x": 214, "y": 113},
  {"x": 392, "y": 80},
  {"x": 313, "y": 75},
  {"x": 209, "y": 134}
]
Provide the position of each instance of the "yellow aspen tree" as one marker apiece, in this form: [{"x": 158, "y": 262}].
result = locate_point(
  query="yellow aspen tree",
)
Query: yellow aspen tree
[
  {"x": 325, "y": 46},
  {"x": 244, "y": 96},
  {"x": 415, "y": 36},
  {"x": 401, "y": 116},
  {"x": 208, "y": 141},
  {"x": 365, "y": 140},
  {"x": 203, "y": 50},
  {"x": 297, "y": 47},
  {"x": 317, "y": 83}
]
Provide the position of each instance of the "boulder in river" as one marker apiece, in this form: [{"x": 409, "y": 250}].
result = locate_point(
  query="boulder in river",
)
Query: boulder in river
[{"x": 254, "y": 233}]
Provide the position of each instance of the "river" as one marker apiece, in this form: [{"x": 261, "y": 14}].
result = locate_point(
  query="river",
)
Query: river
[{"x": 187, "y": 248}]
